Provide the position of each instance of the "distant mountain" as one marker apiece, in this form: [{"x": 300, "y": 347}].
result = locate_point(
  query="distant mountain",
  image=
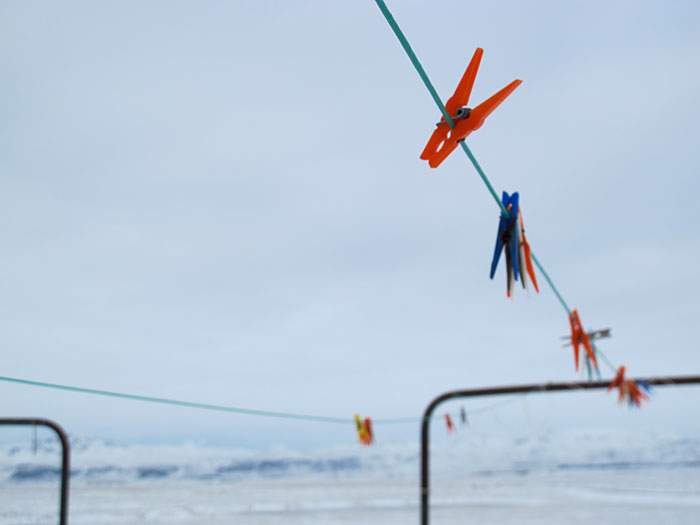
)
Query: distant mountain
[{"x": 95, "y": 461}]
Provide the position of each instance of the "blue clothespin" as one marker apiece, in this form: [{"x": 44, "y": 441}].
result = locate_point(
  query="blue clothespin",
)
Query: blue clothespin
[
  {"x": 507, "y": 239},
  {"x": 644, "y": 386}
]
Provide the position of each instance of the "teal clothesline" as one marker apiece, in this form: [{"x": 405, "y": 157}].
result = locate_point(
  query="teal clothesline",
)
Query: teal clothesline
[{"x": 236, "y": 410}]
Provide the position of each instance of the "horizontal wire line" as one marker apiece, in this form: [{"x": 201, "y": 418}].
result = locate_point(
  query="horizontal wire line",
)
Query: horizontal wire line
[
  {"x": 551, "y": 284},
  {"x": 223, "y": 408},
  {"x": 480, "y": 410},
  {"x": 175, "y": 402}
]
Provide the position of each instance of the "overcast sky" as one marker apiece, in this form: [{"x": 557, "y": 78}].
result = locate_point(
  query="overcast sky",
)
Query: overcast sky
[{"x": 223, "y": 202}]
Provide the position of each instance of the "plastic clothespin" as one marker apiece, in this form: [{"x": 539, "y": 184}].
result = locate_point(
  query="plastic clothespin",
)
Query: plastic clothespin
[
  {"x": 592, "y": 335},
  {"x": 362, "y": 434},
  {"x": 526, "y": 253},
  {"x": 578, "y": 337},
  {"x": 521, "y": 251},
  {"x": 368, "y": 428},
  {"x": 450, "y": 426},
  {"x": 635, "y": 396},
  {"x": 463, "y": 416},
  {"x": 618, "y": 379},
  {"x": 631, "y": 391},
  {"x": 507, "y": 240},
  {"x": 444, "y": 141},
  {"x": 644, "y": 387}
]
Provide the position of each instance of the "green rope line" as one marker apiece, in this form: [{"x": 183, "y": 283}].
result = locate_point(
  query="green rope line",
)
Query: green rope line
[
  {"x": 175, "y": 402},
  {"x": 414, "y": 59},
  {"x": 551, "y": 284},
  {"x": 612, "y": 367},
  {"x": 481, "y": 173},
  {"x": 480, "y": 410},
  {"x": 235, "y": 410},
  {"x": 428, "y": 84}
]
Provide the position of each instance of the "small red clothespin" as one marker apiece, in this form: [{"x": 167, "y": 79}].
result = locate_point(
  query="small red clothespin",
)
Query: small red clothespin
[
  {"x": 578, "y": 337},
  {"x": 629, "y": 389},
  {"x": 363, "y": 434},
  {"x": 450, "y": 426},
  {"x": 526, "y": 254},
  {"x": 617, "y": 380},
  {"x": 368, "y": 428}
]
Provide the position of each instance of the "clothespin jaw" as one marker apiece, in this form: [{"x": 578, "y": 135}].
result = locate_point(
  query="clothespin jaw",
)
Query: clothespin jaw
[
  {"x": 507, "y": 240},
  {"x": 450, "y": 426},
  {"x": 635, "y": 395},
  {"x": 514, "y": 244},
  {"x": 617, "y": 380},
  {"x": 575, "y": 329},
  {"x": 359, "y": 426},
  {"x": 624, "y": 392},
  {"x": 368, "y": 428},
  {"x": 585, "y": 340},
  {"x": 444, "y": 140},
  {"x": 521, "y": 251},
  {"x": 527, "y": 253},
  {"x": 453, "y": 105}
]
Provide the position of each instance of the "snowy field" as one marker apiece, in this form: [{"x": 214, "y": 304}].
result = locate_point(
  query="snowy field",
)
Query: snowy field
[
  {"x": 645, "y": 495},
  {"x": 591, "y": 477}
]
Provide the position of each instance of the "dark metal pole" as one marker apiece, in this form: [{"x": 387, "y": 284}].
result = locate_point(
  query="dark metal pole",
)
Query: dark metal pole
[
  {"x": 65, "y": 463},
  {"x": 424, "y": 469},
  {"x": 513, "y": 389}
]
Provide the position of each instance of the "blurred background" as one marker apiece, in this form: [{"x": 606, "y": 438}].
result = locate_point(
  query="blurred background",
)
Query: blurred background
[{"x": 223, "y": 203}]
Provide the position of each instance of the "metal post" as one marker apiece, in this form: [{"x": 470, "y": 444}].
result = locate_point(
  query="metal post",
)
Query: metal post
[
  {"x": 65, "y": 463},
  {"x": 514, "y": 389}
]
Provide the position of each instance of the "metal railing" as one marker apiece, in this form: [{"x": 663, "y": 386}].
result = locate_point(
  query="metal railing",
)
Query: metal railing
[
  {"x": 515, "y": 389},
  {"x": 65, "y": 453}
]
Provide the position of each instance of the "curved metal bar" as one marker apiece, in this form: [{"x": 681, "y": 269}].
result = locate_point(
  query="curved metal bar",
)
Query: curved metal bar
[
  {"x": 513, "y": 389},
  {"x": 65, "y": 463}
]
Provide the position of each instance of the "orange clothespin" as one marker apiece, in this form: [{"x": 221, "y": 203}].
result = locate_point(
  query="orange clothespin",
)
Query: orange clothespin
[
  {"x": 368, "y": 428},
  {"x": 364, "y": 430},
  {"x": 635, "y": 395},
  {"x": 444, "y": 141},
  {"x": 363, "y": 435},
  {"x": 618, "y": 380},
  {"x": 526, "y": 253},
  {"x": 450, "y": 426},
  {"x": 630, "y": 390},
  {"x": 578, "y": 336}
]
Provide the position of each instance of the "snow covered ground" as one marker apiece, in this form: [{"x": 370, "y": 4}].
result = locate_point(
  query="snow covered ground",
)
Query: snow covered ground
[{"x": 567, "y": 477}]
